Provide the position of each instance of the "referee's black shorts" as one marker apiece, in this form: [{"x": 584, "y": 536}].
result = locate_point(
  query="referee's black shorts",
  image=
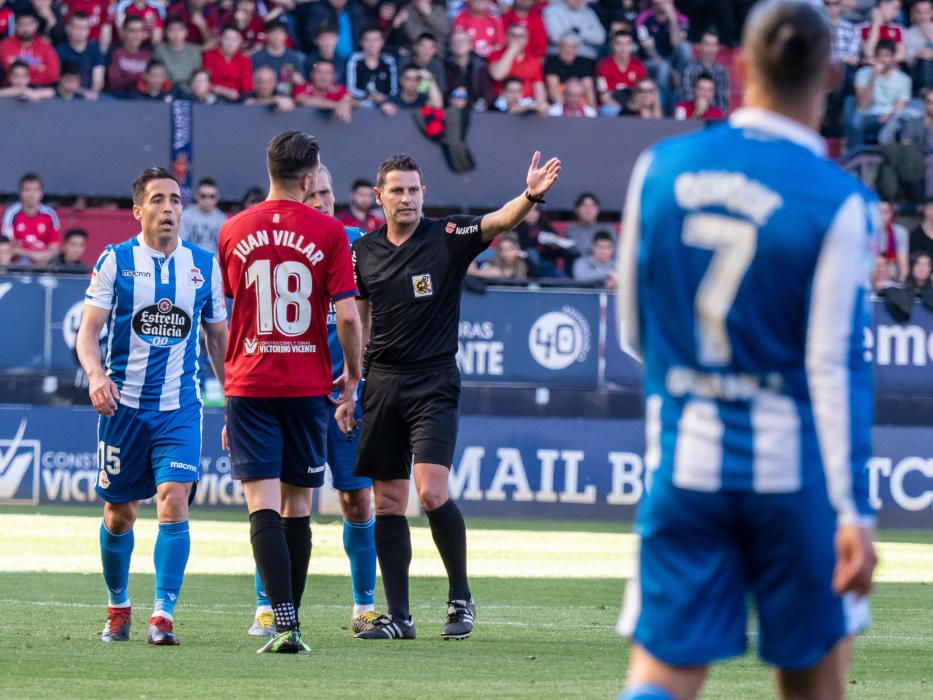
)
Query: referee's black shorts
[{"x": 408, "y": 413}]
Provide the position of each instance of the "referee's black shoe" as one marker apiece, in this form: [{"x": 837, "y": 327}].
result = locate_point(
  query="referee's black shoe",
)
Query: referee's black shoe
[
  {"x": 459, "y": 622},
  {"x": 386, "y": 627}
]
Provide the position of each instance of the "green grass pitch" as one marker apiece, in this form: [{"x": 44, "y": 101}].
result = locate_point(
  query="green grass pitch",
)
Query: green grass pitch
[{"x": 547, "y": 593}]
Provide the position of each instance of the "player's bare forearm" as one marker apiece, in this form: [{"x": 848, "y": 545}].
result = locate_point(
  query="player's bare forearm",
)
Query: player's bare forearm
[
  {"x": 216, "y": 337},
  {"x": 539, "y": 181},
  {"x": 350, "y": 335},
  {"x": 87, "y": 343}
]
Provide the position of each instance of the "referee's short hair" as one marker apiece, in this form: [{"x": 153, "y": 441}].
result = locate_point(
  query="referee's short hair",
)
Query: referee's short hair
[
  {"x": 787, "y": 44},
  {"x": 292, "y": 155},
  {"x": 400, "y": 161},
  {"x": 147, "y": 176}
]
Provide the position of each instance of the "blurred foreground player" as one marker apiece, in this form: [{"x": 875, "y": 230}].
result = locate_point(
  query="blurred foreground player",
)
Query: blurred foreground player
[
  {"x": 354, "y": 492},
  {"x": 410, "y": 275},
  {"x": 153, "y": 291},
  {"x": 283, "y": 263},
  {"x": 758, "y": 396}
]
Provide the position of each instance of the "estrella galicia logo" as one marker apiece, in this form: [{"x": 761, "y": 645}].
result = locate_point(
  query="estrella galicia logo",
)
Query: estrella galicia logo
[
  {"x": 560, "y": 338},
  {"x": 19, "y": 468},
  {"x": 162, "y": 323}
]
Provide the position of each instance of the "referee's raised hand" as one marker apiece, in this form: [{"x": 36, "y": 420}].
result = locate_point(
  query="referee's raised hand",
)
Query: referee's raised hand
[{"x": 541, "y": 179}]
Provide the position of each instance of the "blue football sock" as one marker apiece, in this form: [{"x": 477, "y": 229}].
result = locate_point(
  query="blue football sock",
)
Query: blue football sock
[
  {"x": 171, "y": 556},
  {"x": 645, "y": 691},
  {"x": 262, "y": 600},
  {"x": 115, "y": 553},
  {"x": 361, "y": 550}
]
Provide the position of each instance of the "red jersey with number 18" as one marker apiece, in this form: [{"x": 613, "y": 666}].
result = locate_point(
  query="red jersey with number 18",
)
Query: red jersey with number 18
[{"x": 282, "y": 263}]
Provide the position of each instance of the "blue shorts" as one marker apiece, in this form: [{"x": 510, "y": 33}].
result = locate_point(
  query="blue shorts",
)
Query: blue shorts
[
  {"x": 278, "y": 438},
  {"x": 703, "y": 555},
  {"x": 341, "y": 453},
  {"x": 139, "y": 449}
]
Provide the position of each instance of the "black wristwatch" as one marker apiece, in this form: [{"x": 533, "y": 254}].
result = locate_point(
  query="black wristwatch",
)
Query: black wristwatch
[{"x": 530, "y": 198}]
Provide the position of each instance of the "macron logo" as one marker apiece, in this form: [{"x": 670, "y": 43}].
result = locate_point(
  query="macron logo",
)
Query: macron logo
[{"x": 16, "y": 457}]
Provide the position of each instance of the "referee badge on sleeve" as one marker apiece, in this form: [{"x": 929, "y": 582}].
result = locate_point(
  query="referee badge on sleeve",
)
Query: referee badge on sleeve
[{"x": 422, "y": 286}]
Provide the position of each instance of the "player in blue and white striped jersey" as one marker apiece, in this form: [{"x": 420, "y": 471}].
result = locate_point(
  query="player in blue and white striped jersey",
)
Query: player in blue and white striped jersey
[
  {"x": 153, "y": 292},
  {"x": 743, "y": 273}
]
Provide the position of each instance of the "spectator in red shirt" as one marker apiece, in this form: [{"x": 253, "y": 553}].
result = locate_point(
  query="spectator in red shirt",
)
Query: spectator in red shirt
[
  {"x": 528, "y": 14},
  {"x": 98, "y": 13},
  {"x": 360, "y": 212},
  {"x": 33, "y": 50},
  {"x": 231, "y": 71},
  {"x": 151, "y": 12},
  {"x": 18, "y": 88},
  {"x": 883, "y": 26},
  {"x": 253, "y": 28},
  {"x": 484, "y": 28},
  {"x": 129, "y": 61},
  {"x": 32, "y": 226},
  {"x": 515, "y": 61},
  {"x": 199, "y": 16},
  {"x": 325, "y": 93},
  {"x": 6, "y": 18},
  {"x": 701, "y": 106},
  {"x": 618, "y": 73}
]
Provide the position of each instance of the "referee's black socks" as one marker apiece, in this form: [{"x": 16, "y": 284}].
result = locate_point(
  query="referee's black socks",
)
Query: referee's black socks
[
  {"x": 393, "y": 549},
  {"x": 298, "y": 539},
  {"x": 270, "y": 551},
  {"x": 449, "y": 533}
]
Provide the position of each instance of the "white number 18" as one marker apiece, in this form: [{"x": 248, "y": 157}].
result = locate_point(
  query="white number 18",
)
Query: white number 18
[{"x": 274, "y": 314}]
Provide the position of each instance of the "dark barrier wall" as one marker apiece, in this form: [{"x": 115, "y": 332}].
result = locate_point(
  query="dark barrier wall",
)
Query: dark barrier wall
[
  {"x": 507, "y": 336},
  {"x": 503, "y": 467},
  {"x": 97, "y": 148}
]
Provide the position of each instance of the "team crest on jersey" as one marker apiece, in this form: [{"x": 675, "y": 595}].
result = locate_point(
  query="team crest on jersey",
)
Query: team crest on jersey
[
  {"x": 250, "y": 345},
  {"x": 422, "y": 285},
  {"x": 41, "y": 228},
  {"x": 450, "y": 227},
  {"x": 196, "y": 278},
  {"x": 102, "y": 479}
]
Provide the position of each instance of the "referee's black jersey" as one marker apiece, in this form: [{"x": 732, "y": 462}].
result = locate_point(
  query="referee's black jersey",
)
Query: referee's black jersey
[{"x": 414, "y": 289}]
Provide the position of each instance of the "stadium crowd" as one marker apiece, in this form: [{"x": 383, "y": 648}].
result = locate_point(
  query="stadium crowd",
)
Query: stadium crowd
[{"x": 646, "y": 58}]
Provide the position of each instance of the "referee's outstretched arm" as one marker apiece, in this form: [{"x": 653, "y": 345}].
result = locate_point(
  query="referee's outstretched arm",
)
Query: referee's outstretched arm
[{"x": 539, "y": 181}]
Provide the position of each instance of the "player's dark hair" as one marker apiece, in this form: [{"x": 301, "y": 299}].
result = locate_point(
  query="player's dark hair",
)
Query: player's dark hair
[
  {"x": 147, "y": 176},
  {"x": 69, "y": 68},
  {"x": 400, "y": 161},
  {"x": 885, "y": 45},
  {"x": 788, "y": 45},
  {"x": 207, "y": 182},
  {"x": 601, "y": 236},
  {"x": 361, "y": 182},
  {"x": 28, "y": 177},
  {"x": 292, "y": 155},
  {"x": 75, "y": 233},
  {"x": 583, "y": 196},
  {"x": 173, "y": 21},
  {"x": 132, "y": 19}
]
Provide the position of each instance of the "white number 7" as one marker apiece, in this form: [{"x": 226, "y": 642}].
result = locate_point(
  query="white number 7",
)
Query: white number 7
[{"x": 733, "y": 243}]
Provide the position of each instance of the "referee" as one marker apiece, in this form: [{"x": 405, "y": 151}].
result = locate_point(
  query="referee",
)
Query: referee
[{"x": 410, "y": 277}]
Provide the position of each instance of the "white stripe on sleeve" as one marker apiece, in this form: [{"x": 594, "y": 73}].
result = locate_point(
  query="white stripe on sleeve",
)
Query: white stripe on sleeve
[
  {"x": 839, "y": 275},
  {"x": 627, "y": 269}
]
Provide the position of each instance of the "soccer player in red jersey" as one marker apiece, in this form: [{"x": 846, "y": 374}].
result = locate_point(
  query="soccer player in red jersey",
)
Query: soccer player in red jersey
[{"x": 283, "y": 263}]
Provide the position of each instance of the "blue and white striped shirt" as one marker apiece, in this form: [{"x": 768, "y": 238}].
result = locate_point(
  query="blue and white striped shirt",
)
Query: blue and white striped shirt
[
  {"x": 156, "y": 305},
  {"x": 743, "y": 274}
]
